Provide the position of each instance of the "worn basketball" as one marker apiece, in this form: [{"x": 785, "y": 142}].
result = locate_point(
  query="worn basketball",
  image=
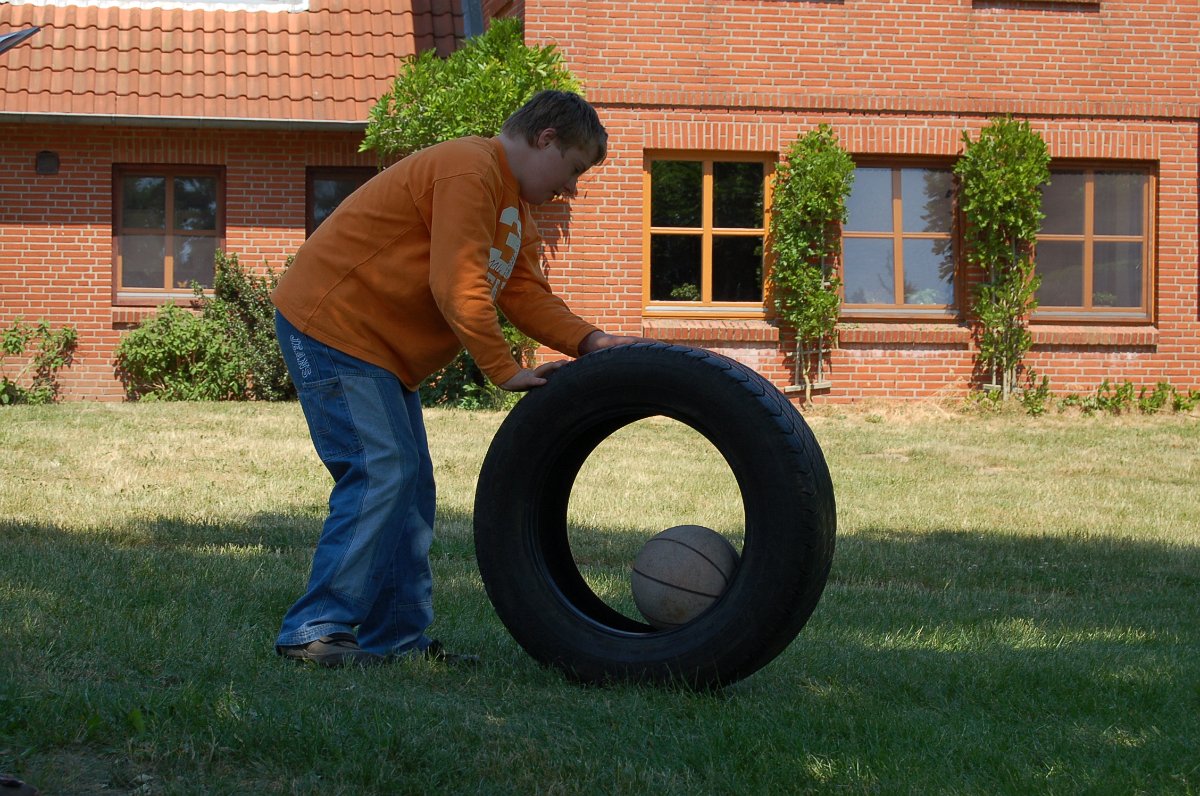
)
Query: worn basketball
[{"x": 680, "y": 572}]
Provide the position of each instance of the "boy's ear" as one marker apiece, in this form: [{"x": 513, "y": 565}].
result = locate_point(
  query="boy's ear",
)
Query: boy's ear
[{"x": 545, "y": 138}]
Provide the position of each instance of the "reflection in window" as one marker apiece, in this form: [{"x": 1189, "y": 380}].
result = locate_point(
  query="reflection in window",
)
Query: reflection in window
[
  {"x": 897, "y": 244},
  {"x": 167, "y": 228},
  {"x": 707, "y": 227},
  {"x": 1093, "y": 248},
  {"x": 327, "y": 188}
]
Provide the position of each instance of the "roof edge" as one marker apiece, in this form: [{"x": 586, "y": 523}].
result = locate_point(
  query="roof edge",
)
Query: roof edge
[
  {"x": 231, "y": 123},
  {"x": 265, "y": 6}
]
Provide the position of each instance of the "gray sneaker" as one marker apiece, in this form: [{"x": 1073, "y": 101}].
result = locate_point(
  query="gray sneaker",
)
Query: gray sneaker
[{"x": 332, "y": 651}]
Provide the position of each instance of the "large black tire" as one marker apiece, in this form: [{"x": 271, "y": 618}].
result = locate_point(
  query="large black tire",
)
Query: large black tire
[{"x": 521, "y": 536}]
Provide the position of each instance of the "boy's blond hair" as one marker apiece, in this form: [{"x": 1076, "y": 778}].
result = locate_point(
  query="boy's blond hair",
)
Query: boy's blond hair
[{"x": 575, "y": 122}]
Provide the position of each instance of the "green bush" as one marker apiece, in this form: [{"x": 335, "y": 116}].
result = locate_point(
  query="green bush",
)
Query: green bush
[
  {"x": 177, "y": 355},
  {"x": 471, "y": 92},
  {"x": 1116, "y": 399},
  {"x": 462, "y": 385},
  {"x": 1036, "y": 396},
  {"x": 241, "y": 305},
  {"x": 48, "y": 350},
  {"x": 225, "y": 352}
]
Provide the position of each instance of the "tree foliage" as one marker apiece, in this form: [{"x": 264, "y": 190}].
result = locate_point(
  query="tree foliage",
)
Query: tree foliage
[
  {"x": 1001, "y": 176},
  {"x": 472, "y": 92},
  {"x": 811, "y": 186}
]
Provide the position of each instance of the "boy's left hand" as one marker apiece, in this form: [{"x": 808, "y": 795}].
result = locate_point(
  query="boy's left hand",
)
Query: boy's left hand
[
  {"x": 527, "y": 379},
  {"x": 598, "y": 340}
]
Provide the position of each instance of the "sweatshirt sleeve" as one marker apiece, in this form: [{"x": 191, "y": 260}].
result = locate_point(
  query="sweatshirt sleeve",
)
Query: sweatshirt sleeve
[
  {"x": 533, "y": 308},
  {"x": 462, "y": 227}
]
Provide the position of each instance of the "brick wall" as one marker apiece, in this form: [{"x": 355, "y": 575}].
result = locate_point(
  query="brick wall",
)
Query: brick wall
[
  {"x": 56, "y": 230},
  {"x": 1106, "y": 80}
]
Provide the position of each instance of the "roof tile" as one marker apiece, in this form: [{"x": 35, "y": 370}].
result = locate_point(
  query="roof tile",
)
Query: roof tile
[{"x": 329, "y": 63}]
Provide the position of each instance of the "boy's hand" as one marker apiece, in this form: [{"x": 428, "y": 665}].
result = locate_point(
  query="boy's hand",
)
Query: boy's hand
[
  {"x": 527, "y": 379},
  {"x": 598, "y": 340}
]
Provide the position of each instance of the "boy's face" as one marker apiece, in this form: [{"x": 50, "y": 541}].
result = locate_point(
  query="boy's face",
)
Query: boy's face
[{"x": 554, "y": 171}]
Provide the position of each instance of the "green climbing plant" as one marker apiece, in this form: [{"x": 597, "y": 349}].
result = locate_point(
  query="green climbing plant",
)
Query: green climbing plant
[
  {"x": 809, "y": 204},
  {"x": 1001, "y": 175}
]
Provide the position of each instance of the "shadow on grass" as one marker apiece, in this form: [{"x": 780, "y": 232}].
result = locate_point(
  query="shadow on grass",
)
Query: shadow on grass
[{"x": 956, "y": 653}]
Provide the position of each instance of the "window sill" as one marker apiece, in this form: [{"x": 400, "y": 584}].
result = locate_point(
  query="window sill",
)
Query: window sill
[
  {"x": 817, "y": 386},
  {"x": 1123, "y": 336},
  {"x": 696, "y": 330},
  {"x": 903, "y": 333}
]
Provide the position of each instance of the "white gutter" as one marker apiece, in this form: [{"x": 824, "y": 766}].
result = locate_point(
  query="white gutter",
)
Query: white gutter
[{"x": 229, "y": 123}]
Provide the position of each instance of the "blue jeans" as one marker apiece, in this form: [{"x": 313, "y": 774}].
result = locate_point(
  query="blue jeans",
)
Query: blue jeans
[{"x": 370, "y": 570}]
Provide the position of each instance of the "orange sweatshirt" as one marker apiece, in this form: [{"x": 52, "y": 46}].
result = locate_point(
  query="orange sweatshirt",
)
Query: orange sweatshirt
[{"x": 410, "y": 267}]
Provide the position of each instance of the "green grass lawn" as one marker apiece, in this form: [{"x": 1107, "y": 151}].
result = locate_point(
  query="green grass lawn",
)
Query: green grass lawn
[{"x": 1014, "y": 607}]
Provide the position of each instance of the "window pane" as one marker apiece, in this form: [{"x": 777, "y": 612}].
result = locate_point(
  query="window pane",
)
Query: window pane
[
  {"x": 928, "y": 272},
  {"x": 194, "y": 261},
  {"x": 1119, "y": 199},
  {"x": 195, "y": 203},
  {"x": 869, "y": 206},
  {"x": 927, "y": 197},
  {"x": 675, "y": 268},
  {"x": 144, "y": 203},
  {"x": 1060, "y": 265},
  {"x": 330, "y": 192},
  {"x": 675, "y": 193},
  {"x": 737, "y": 268},
  {"x": 142, "y": 260},
  {"x": 869, "y": 271},
  {"x": 738, "y": 195},
  {"x": 1063, "y": 203},
  {"x": 1117, "y": 275}
]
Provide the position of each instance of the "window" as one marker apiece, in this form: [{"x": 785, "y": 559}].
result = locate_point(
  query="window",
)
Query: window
[
  {"x": 326, "y": 188},
  {"x": 705, "y": 223},
  {"x": 169, "y": 224},
  {"x": 1094, "y": 248},
  {"x": 898, "y": 242}
]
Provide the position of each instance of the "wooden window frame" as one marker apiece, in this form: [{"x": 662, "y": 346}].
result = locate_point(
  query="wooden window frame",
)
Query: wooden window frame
[
  {"x": 147, "y": 296},
  {"x": 706, "y": 308},
  {"x": 899, "y": 310},
  {"x": 314, "y": 173},
  {"x": 1108, "y": 315}
]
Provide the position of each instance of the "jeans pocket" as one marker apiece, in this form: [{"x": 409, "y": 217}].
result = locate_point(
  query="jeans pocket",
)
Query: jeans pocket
[{"x": 328, "y": 415}]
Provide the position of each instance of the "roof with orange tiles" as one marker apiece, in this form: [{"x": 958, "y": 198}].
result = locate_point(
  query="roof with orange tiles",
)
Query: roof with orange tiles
[{"x": 238, "y": 62}]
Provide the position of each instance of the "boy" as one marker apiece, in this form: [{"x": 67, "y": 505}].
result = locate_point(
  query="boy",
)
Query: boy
[{"x": 408, "y": 270}]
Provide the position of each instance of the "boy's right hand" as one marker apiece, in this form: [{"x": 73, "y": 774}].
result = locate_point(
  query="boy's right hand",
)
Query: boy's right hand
[{"x": 527, "y": 379}]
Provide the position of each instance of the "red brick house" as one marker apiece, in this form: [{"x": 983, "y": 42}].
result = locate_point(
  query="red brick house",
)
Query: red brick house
[
  {"x": 138, "y": 137},
  {"x": 269, "y": 101}
]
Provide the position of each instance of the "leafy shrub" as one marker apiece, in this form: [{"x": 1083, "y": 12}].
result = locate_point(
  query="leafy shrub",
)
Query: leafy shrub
[
  {"x": 472, "y": 92},
  {"x": 1119, "y": 399},
  {"x": 1036, "y": 395},
  {"x": 49, "y": 350},
  {"x": 226, "y": 352},
  {"x": 1152, "y": 402},
  {"x": 1185, "y": 402},
  {"x": 177, "y": 355},
  {"x": 241, "y": 306}
]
